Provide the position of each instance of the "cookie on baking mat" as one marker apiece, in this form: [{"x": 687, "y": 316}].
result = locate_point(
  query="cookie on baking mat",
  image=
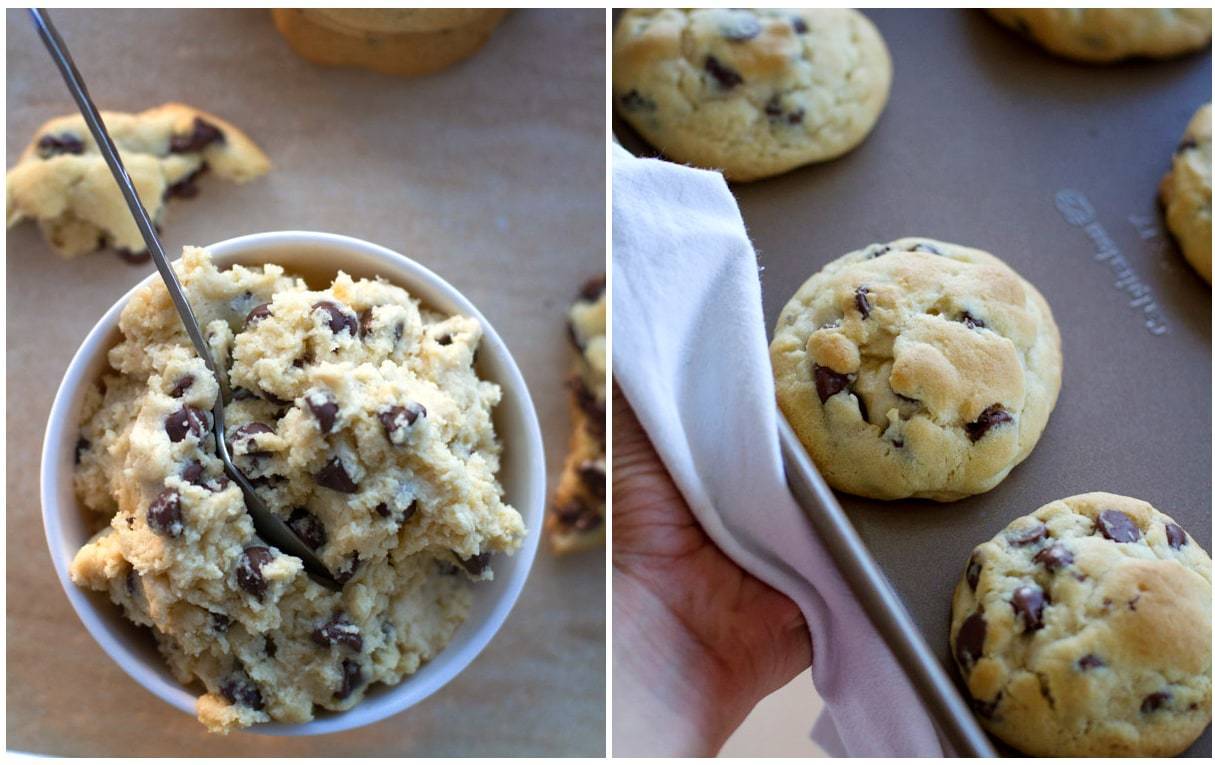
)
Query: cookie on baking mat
[
  {"x": 1185, "y": 193},
  {"x": 1102, "y": 35},
  {"x": 751, "y": 92},
  {"x": 1084, "y": 629},
  {"x": 917, "y": 368}
]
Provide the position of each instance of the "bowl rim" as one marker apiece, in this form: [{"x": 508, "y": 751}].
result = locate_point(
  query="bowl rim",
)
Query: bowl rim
[{"x": 447, "y": 663}]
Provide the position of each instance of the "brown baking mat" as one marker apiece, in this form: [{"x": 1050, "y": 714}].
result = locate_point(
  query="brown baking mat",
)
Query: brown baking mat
[
  {"x": 455, "y": 170},
  {"x": 1052, "y": 166}
]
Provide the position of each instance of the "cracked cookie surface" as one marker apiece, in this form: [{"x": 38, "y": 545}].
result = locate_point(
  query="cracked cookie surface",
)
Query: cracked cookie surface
[
  {"x": 1185, "y": 193},
  {"x": 62, "y": 181},
  {"x": 1084, "y": 629},
  {"x": 1102, "y": 35},
  {"x": 916, "y": 368},
  {"x": 358, "y": 415},
  {"x": 576, "y": 522},
  {"x": 751, "y": 92}
]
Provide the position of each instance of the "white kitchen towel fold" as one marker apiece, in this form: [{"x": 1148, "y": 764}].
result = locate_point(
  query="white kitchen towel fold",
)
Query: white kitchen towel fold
[{"x": 690, "y": 353}]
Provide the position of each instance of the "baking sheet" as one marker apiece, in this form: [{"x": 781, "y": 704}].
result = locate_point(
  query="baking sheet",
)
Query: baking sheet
[
  {"x": 454, "y": 170},
  {"x": 1052, "y": 166}
]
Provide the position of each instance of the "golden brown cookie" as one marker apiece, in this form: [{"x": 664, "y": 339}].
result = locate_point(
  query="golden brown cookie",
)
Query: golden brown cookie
[{"x": 1185, "y": 193}]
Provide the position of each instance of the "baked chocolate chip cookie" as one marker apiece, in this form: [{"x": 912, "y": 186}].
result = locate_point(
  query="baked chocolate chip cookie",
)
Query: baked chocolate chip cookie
[
  {"x": 751, "y": 92},
  {"x": 63, "y": 183},
  {"x": 917, "y": 368},
  {"x": 576, "y": 521},
  {"x": 1102, "y": 35},
  {"x": 1185, "y": 193},
  {"x": 1084, "y": 629}
]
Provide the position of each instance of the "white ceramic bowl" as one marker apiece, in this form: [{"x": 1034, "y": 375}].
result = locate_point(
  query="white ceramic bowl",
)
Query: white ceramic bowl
[{"x": 314, "y": 256}]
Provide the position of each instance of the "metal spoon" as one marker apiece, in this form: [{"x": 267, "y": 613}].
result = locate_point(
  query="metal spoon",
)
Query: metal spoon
[{"x": 269, "y": 526}]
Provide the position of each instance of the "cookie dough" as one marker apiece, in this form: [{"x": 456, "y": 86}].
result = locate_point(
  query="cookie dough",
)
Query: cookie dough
[
  {"x": 1084, "y": 629},
  {"x": 916, "y": 368},
  {"x": 399, "y": 41},
  {"x": 358, "y": 415},
  {"x": 62, "y": 181},
  {"x": 751, "y": 92},
  {"x": 1186, "y": 193},
  {"x": 576, "y": 522},
  {"x": 1102, "y": 35}
]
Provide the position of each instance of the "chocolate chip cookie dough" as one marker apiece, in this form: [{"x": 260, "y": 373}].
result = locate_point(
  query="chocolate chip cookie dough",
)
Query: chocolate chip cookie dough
[
  {"x": 751, "y": 92},
  {"x": 62, "y": 181},
  {"x": 1084, "y": 629},
  {"x": 1185, "y": 193},
  {"x": 916, "y": 368},
  {"x": 358, "y": 415},
  {"x": 576, "y": 522},
  {"x": 1102, "y": 35}
]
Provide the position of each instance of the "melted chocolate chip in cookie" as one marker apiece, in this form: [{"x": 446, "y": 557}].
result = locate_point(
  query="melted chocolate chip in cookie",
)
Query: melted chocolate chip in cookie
[
  {"x": 352, "y": 678},
  {"x": 54, "y": 145},
  {"x": 477, "y": 564},
  {"x": 202, "y": 134},
  {"x": 1117, "y": 526},
  {"x": 1054, "y": 557},
  {"x": 970, "y": 321},
  {"x": 861, "y": 298},
  {"x": 82, "y": 446},
  {"x": 632, "y": 101},
  {"x": 1089, "y": 661},
  {"x": 1028, "y": 602},
  {"x": 992, "y": 416},
  {"x": 576, "y": 514},
  {"x": 239, "y": 689},
  {"x": 799, "y": 25},
  {"x": 828, "y": 382},
  {"x": 1028, "y": 536},
  {"x": 185, "y": 188},
  {"x": 339, "y": 319},
  {"x": 1154, "y": 701},
  {"x": 593, "y": 477},
  {"x": 339, "y": 630},
  {"x": 725, "y": 76},
  {"x": 974, "y": 567},
  {"x": 1176, "y": 536},
  {"x": 968, "y": 646}
]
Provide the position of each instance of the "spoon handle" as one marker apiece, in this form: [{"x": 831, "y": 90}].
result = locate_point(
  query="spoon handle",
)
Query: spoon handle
[{"x": 75, "y": 83}]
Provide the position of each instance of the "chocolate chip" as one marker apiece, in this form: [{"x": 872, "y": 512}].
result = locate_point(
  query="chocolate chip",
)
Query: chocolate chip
[
  {"x": 879, "y": 250},
  {"x": 334, "y": 476},
  {"x": 239, "y": 689},
  {"x": 968, "y": 646},
  {"x": 64, "y": 143},
  {"x": 477, "y": 564},
  {"x": 134, "y": 258},
  {"x": 257, "y": 314},
  {"x": 726, "y": 77},
  {"x": 773, "y": 108},
  {"x": 1054, "y": 557},
  {"x": 589, "y": 404},
  {"x": 986, "y": 709},
  {"x": 444, "y": 339},
  {"x": 1089, "y": 661},
  {"x": 1024, "y": 537},
  {"x": 249, "y": 430},
  {"x": 307, "y": 527},
  {"x": 220, "y": 622},
  {"x": 347, "y": 572},
  {"x": 1028, "y": 602},
  {"x": 1185, "y": 145},
  {"x": 182, "y": 386},
  {"x": 201, "y": 135},
  {"x": 82, "y": 445},
  {"x": 398, "y": 419},
  {"x": 970, "y": 321},
  {"x": 593, "y": 477},
  {"x": 974, "y": 567},
  {"x": 592, "y": 289},
  {"x": 991, "y": 417},
  {"x": 383, "y": 510},
  {"x": 576, "y": 514},
  {"x": 632, "y": 101},
  {"x": 324, "y": 407},
  {"x": 408, "y": 512},
  {"x": 1176, "y": 535},
  {"x": 829, "y": 382},
  {"x": 922, "y": 247},
  {"x": 185, "y": 188},
  {"x": 352, "y": 678},
  {"x": 741, "y": 27},
  {"x": 164, "y": 514},
  {"x": 1154, "y": 701},
  {"x": 799, "y": 25},
  {"x": 862, "y": 301},
  {"x": 340, "y": 320},
  {"x": 242, "y": 394},
  {"x": 338, "y": 631},
  {"x": 860, "y": 405},
  {"x": 271, "y": 648},
  {"x": 249, "y": 570},
  {"x": 132, "y": 582},
  {"x": 1117, "y": 526},
  {"x": 186, "y": 421}
]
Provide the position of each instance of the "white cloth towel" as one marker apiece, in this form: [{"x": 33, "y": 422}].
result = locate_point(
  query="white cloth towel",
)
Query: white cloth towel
[{"x": 690, "y": 353}]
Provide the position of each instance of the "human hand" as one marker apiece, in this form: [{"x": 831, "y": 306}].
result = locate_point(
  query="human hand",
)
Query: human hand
[{"x": 697, "y": 642}]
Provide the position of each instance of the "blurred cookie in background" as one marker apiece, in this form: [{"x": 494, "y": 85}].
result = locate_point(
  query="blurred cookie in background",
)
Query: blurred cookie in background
[
  {"x": 1185, "y": 193},
  {"x": 1102, "y": 35}
]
